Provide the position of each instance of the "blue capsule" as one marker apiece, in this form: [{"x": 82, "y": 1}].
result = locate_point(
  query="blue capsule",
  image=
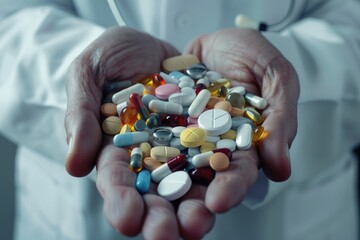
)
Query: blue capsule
[{"x": 143, "y": 181}]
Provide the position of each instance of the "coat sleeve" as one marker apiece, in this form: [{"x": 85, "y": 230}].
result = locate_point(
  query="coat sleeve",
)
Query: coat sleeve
[
  {"x": 38, "y": 41},
  {"x": 324, "y": 47}
]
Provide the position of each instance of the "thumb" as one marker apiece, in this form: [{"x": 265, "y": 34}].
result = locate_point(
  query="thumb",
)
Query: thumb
[{"x": 84, "y": 135}]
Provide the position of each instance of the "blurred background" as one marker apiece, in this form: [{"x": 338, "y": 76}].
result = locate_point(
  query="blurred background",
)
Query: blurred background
[{"x": 7, "y": 209}]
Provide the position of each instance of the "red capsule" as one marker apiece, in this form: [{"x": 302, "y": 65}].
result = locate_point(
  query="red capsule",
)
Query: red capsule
[
  {"x": 135, "y": 100},
  {"x": 202, "y": 176},
  {"x": 129, "y": 115},
  {"x": 199, "y": 87},
  {"x": 157, "y": 80},
  {"x": 225, "y": 151},
  {"x": 173, "y": 120}
]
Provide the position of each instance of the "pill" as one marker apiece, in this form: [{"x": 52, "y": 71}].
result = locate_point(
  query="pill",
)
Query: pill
[
  {"x": 161, "y": 136},
  {"x": 120, "y": 107},
  {"x": 199, "y": 103},
  {"x": 177, "y": 74},
  {"x": 129, "y": 115},
  {"x": 207, "y": 147},
  {"x": 192, "y": 120},
  {"x": 136, "y": 159},
  {"x": 237, "y": 89},
  {"x": 202, "y": 176},
  {"x": 173, "y": 120},
  {"x": 231, "y": 134},
  {"x": 226, "y": 143},
  {"x": 164, "y": 91},
  {"x": 164, "y": 153},
  {"x": 253, "y": 115},
  {"x": 146, "y": 98},
  {"x": 219, "y": 161},
  {"x": 159, "y": 106},
  {"x": 196, "y": 71},
  {"x": 130, "y": 138},
  {"x": 135, "y": 100},
  {"x": 139, "y": 125},
  {"x": 222, "y": 92},
  {"x": 212, "y": 102},
  {"x": 124, "y": 94},
  {"x": 199, "y": 87},
  {"x": 143, "y": 181},
  {"x": 212, "y": 139},
  {"x": 186, "y": 82},
  {"x": 258, "y": 134},
  {"x": 237, "y": 100},
  {"x": 202, "y": 159},
  {"x": 169, "y": 79},
  {"x": 184, "y": 99},
  {"x": 213, "y": 76},
  {"x": 215, "y": 121},
  {"x": 193, "y": 151},
  {"x": 244, "y": 137},
  {"x": 204, "y": 81},
  {"x": 108, "y": 109},
  {"x": 153, "y": 121},
  {"x": 238, "y": 121},
  {"x": 192, "y": 137},
  {"x": 145, "y": 149},
  {"x": 172, "y": 165},
  {"x": 177, "y": 130},
  {"x": 174, "y": 186},
  {"x": 255, "y": 101},
  {"x": 224, "y": 105},
  {"x": 179, "y": 63},
  {"x": 189, "y": 91},
  {"x": 151, "y": 164},
  {"x": 176, "y": 143},
  {"x": 236, "y": 112},
  {"x": 111, "y": 125},
  {"x": 125, "y": 129}
]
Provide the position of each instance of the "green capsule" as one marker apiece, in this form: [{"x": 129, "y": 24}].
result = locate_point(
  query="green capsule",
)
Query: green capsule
[{"x": 236, "y": 99}]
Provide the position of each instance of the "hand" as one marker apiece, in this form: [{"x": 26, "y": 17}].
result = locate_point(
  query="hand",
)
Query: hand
[
  {"x": 118, "y": 54},
  {"x": 247, "y": 58}
]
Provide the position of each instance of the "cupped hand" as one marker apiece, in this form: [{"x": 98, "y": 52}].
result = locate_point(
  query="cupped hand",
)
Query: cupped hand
[
  {"x": 119, "y": 54},
  {"x": 250, "y": 60}
]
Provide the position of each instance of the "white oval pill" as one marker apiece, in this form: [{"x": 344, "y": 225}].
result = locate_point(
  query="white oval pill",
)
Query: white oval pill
[
  {"x": 174, "y": 186},
  {"x": 239, "y": 89},
  {"x": 177, "y": 130},
  {"x": 256, "y": 101},
  {"x": 244, "y": 137},
  {"x": 215, "y": 122},
  {"x": 199, "y": 103},
  {"x": 124, "y": 94},
  {"x": 226, "y": 143},
  {"x": 159, "y": 106},
  {"x": 183, "y": 99},
  {"x": 186, "y": 81},
  {"x": 168, "y": 78}
]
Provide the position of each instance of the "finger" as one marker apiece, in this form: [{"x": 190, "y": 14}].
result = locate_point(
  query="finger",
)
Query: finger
[
  {"x": 123, "y": 205},
  {"x": 195, "y": 219},
  {"x": 228, "y": 188},
  {"x": 82, "y": 116},
  {"x": 280, "y": 88},
  {"x": 160, "y": 220}
]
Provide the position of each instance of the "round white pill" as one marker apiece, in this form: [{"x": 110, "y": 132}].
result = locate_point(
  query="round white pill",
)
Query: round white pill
[
  {"x": 174, "y": 186},
  {"x": 215, "y": 122}
]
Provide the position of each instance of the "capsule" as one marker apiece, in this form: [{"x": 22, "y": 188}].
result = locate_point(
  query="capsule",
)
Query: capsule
[
  {"x": 258, "y": 134},
  {"x": 129, "y": 115},
  {"x": 153, "y": 121},
  {"x": 199, "y": 103},
  {"x": 196, "y": 71},
  {"x": 143, "y": 181},
  {"x": 256, "y": 101},
  {"x": 237, "y": 100},
  {"x": 202, "y": 176},
  {"x": 161, "y": 137},
  {"x": 159, "y": 106},
  {"x": 136, "y": 160},
  {"x": 174, "y": 164},
  {"x": 130, "y": 138},
  {"x": 124, "y": 94},
  {"x": 135, "y": 100},
  {"x": 202, "y": 159},
  {"x": 253, "y": 115},
  {"x": 173, "y": 120}
]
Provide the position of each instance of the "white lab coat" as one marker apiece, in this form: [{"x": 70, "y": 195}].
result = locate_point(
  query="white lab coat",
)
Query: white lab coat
[{"x": 39, "y": 39}]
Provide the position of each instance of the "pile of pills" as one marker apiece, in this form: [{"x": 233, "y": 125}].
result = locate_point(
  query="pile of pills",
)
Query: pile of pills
[{"x": 182, "y": 125}]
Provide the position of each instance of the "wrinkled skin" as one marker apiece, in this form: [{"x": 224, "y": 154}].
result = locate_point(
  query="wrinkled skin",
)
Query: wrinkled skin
[{"x": 124, "y": 54}]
